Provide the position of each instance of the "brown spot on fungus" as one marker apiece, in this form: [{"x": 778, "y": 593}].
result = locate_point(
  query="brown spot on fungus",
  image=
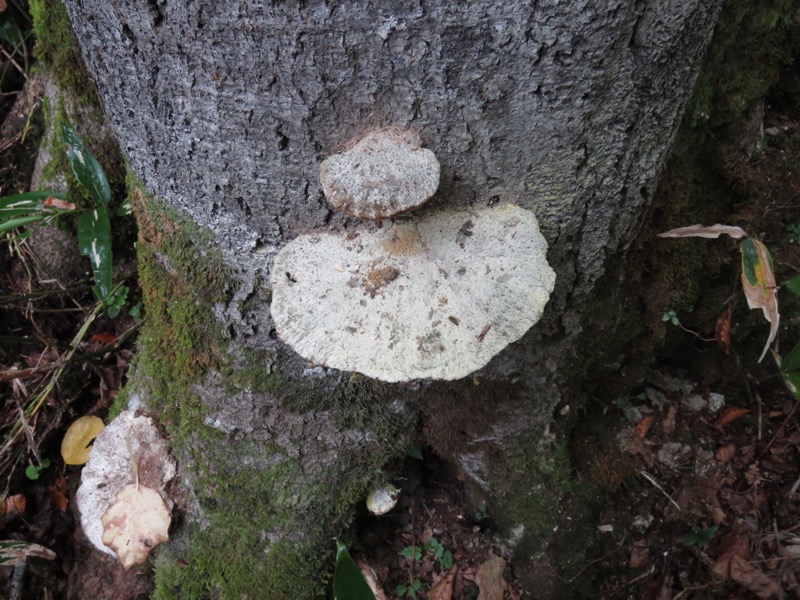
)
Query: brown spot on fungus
[{"x": 401, "y": 330}]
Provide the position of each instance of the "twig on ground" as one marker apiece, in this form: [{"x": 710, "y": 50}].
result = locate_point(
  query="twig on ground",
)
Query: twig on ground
[{"x": 652, "y": 480}]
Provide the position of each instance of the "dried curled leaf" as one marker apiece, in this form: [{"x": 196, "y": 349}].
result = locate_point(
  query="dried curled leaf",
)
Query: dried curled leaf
[
  {"x": 135, "y": 524},
  {"x": 758, "y": 283},
  {"x": 643, "y": 426},
  {"x": 711, "y": 232},
  {"x": 75, "y": 446},
  {"x": 725, "y": 453},
  {"x": 731, "y": 414},
  {"x": 13, "y": 552},
  {"x": 722, "y": 329},
  {"x": 12, "y": 508}
]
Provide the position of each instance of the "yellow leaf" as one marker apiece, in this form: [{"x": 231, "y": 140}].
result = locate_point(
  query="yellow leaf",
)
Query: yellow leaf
[
  {"x": 135, "y": 524},
  {"x": 758, "y": 283},
  {"x": 75, "y": 445}
]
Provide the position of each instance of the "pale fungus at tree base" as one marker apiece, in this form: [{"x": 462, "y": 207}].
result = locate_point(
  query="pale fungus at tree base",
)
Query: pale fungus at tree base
[{"x": 435, "y": 296}]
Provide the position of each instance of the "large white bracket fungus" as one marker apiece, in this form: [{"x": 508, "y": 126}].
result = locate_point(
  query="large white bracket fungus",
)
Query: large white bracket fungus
[
  {"x": 385, "y": 174},
  {"x": 434, "y": 297},
  {"x": 130, "y": 444}
]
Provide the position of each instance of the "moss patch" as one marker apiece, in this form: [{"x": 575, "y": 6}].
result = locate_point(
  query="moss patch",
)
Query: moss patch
[
  {"x": 264, "y": 513},
  {"x": 57, "y": 48}
]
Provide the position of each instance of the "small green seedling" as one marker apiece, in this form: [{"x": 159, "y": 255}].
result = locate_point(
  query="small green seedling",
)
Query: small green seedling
[
  {"x": 671, "y": 317},
  {"x": 408, "y": 591},
  {"x": 412, "y": 552},
  {"x": 33, "y": 472},
  {"x": 700, "y": 537},
  {"x": 482, "y": 512}
]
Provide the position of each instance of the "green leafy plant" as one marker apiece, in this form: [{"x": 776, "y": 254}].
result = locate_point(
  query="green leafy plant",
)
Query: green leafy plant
[
  {"x": 700, "y": 537},
  {"x": 672, "y": 317},
  {"x": 33, "y": 472},
  {"x": 482, "y": 512},
  {"x": 348, "y": 581},
  {"x": 414, "y": 553},
  {"x": 409, "y": 591},
  {"x": 94, "y": 223}
]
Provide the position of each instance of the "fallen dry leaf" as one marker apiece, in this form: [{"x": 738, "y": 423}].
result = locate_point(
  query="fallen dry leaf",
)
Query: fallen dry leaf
[
  {"x": 711, "y": 232},
  {"x": 725, "y": 453},
  {"x": 722, "y": 329},
  {"x": 643, "y": 426},
  {"x": 372, "y": 580},
  {"x": 51, "y": 202},
  {"x": 75, "y": 446},
  {"x": 12, "y": 508},
  {"x": 731, "y": 414},
  {"x": 13, "y": 552},
  {"x": 668, "y": 424},
  {"x": 640, "y": 554},
  {"x": 443, "y": 589},
  {"x": 59, "y": 493},
  {"x": 758, "y": 283},
  {"x": 731, "y": 566},
  {"x": 490, "y": 578},
  {"x": 135, "y": 524}
]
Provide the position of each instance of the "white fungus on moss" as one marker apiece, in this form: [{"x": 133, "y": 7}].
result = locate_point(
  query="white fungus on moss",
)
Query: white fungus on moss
[
  {"x": 434, "y": 297},
  {"x": 130, "y": 444},
  {"x": 385, "y": 174}
]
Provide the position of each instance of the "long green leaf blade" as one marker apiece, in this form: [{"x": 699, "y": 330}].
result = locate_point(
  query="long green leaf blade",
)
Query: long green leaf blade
[
  {"x": 348, "y": 581},
  {"x": 94, "y": 240},
  {"x": 85, "y": 166},
  {"x": 20, "y": 222}
]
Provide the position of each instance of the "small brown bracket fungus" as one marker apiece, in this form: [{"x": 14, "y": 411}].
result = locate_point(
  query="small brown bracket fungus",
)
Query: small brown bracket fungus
[
  {"x": 435, "y": 297},
  {"x": 384, "y": 175}
]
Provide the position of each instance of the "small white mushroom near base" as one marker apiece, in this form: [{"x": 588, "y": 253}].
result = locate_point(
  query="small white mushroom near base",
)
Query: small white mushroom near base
[
  {"x": 434, "y": 297},
  {"x": 386, "y": 174},
  {"x": 382, "y": 500}
]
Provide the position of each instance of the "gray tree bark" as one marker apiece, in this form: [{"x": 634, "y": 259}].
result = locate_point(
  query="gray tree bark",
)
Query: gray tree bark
[{"x": 225, "y": 111}]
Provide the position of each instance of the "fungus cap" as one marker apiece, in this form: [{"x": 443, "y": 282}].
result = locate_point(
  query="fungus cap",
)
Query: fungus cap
[
  {"x": 386, "y": 174},
  {"x": 435, "y": 297},
  {"x": 130, "y": 444}
]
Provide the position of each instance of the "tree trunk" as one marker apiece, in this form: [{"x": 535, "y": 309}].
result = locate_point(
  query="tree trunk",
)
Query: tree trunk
[{"x": 225, "y": 112}]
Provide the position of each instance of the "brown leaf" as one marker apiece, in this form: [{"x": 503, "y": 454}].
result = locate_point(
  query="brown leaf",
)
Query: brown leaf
[
  {"x": 13, "y": 552},
  {"x": 731, "y": 414},
  {"x": 643, "y": 426},
  {"x": 723, "y": 330},
  {"x": 725, "y": 453},
  {"x": 713, "y": 231},
  {"x": 668, "y": 424},
  {"x": 59, "y": 492},
  {"x": 11, "y": 509},
  {"x": 372, "y": 580},
  {"x": 135, "y": 524},
  {"x": 443, "y": 589},
  {"x": 490, "y": 578},
  {"x": 51, "y": 202},
  {"x": 745, "y": 574},
  {"x": 640, "y": 554}
]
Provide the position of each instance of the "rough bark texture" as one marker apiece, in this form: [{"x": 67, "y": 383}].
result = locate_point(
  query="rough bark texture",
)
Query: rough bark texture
[{"x": 226, "y": 111}]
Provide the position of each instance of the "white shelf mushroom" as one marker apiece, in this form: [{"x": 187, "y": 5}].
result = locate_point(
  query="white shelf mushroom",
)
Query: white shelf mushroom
[
  {"x": 385, "y": 174},
  {"x": 434, "y": 297}
]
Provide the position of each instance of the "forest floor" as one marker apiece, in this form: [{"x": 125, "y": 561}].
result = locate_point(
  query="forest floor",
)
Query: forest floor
[{"x": 692, "y": 479}]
